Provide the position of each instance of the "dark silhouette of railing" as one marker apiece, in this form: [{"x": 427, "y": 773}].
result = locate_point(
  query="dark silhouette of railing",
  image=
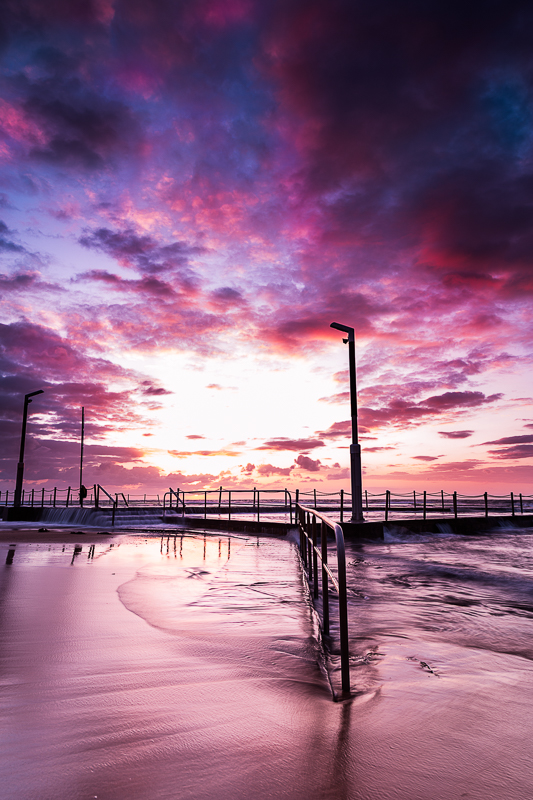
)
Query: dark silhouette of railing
[
  {"x": 222, "y": 502},
  {"x": 258, "y": 503},
  {"x": 313, "y": 527}
]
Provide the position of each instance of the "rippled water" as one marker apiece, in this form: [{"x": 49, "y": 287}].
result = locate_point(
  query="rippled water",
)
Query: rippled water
[{"x": 190, "y": 667}]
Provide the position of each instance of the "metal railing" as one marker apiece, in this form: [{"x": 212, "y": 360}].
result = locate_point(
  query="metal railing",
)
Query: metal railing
[
  {"x": 257, "y": 502},
  {"x": 384, "y": 505},
  {"x": 313, "y": 527},
  {"x": 222, "y": 502}
]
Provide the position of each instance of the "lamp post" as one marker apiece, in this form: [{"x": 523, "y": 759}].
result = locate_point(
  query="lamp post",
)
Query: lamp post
[
  {"x": 83, "y": 490},
  {"x": 355, "y": 447},
  {"x": 20, "y": 465}
]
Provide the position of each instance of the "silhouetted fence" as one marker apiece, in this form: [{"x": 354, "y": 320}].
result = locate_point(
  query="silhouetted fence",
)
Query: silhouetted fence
[
  {"x": 258, "y": 503},
  {"x": 313, "y": 527}
]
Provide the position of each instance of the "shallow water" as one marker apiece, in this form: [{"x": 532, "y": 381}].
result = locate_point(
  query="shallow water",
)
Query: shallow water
[{"x": 190, "y": 667}]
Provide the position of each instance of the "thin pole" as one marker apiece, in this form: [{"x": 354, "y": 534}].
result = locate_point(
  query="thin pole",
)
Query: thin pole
[
  {"x": 355, "y": 447},
  {"x": 315, "y": 559},
  {"x": 325, "y": 587},
  {"x": 20, "y": 465},
  {"x": 342, "y": 505},
  {"x": 486, "y": 504},
  {"x": 81, "y": 454},
  {"x": 512, "y": 504}
]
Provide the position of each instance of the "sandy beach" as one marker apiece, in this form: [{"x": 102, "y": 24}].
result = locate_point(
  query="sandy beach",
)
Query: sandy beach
[{"x": 190, "y": 667}]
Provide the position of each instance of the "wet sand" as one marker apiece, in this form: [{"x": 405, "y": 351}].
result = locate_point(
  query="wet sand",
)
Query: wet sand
[
  {"x": 139, "y": 673},
  {"x": 190, "y": 668}
]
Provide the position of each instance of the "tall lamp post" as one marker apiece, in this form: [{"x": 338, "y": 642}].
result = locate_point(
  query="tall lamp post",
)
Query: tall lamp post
[
  {"x": 20, "y": 465},
  {"x": 355, "y": 447}
]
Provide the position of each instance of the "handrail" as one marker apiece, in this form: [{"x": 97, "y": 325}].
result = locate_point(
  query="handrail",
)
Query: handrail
[
  {"x": 310, "y": 554},
  {"x": 113, "y": 500},
  {"x": 386, "y": 505}
]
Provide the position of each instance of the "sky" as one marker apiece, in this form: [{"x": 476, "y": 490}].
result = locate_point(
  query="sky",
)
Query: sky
[{"x": 191, "y": 192}]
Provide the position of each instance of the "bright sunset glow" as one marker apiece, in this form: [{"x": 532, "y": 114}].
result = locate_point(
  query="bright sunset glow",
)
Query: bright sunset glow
[{"x": 191, "y": 192}]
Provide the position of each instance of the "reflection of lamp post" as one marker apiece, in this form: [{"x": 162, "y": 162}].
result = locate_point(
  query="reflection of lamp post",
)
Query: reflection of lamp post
[
  {"x": 20, "y": 465},
  {"x": 355, "y": 447}
]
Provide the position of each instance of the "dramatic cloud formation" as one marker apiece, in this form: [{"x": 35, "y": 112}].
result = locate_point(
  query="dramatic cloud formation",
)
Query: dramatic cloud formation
[{"x": 192, "y": 192}]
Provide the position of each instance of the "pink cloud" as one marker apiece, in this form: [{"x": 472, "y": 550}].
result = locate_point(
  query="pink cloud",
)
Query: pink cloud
[
  {"x": 308, "y": 464},
  {"x": 267, "y": 470},
  {"x": 455, "y": 434},
  {"x": 284, "y": 444}
]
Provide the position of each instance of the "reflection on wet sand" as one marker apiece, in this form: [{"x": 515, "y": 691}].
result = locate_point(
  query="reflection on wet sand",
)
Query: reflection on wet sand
[{"x": 188, "y": 666}]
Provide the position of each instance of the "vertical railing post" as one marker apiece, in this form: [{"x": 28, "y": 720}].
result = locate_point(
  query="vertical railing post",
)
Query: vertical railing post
[
  {"x": 32, "y": 496},
  {"x": 366, "y": 499},
  {"x": 42, "y": 498},
  {"x": 68, "y": 497},
  {"x": 386, "y": 505},
  {"x": 23, "y": 491},
  {"x": 205, "y": 505},
  {"x": 414, "y": 501},
  {"x": 96, "y": 498},
  {"x": 325, "y": 587},
  {"x": 297, "y": 496},
  {"x": 55, "y": 492},
  {"x": 425, "y": 505},
  {"x": 314, "y": 492},
  {"x": 343, "y": 615},
  {"x": 486, "y": 497},
  {"x": 315, "y": 559},
  {"x": 258, "y": 507},
  {"x": 455, "y": 504},
  {"x": 342, "y": 505},
  {"x": 512, "y": 504},
  {"x": 309, "y": 547},
  {"x": 114, "y": 511},
  {"x": 442, "y": 499},
  {"x": 521, "y": 505},
  {"x": 220, "y": 500},
  {"x": 229, "y": 503},
  {"x": 290, "y": 508}
]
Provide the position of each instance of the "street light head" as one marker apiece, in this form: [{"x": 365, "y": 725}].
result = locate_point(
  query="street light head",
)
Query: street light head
[
  {"x": 32, "y": 394},
  {"x": 346, "y": 329}
]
